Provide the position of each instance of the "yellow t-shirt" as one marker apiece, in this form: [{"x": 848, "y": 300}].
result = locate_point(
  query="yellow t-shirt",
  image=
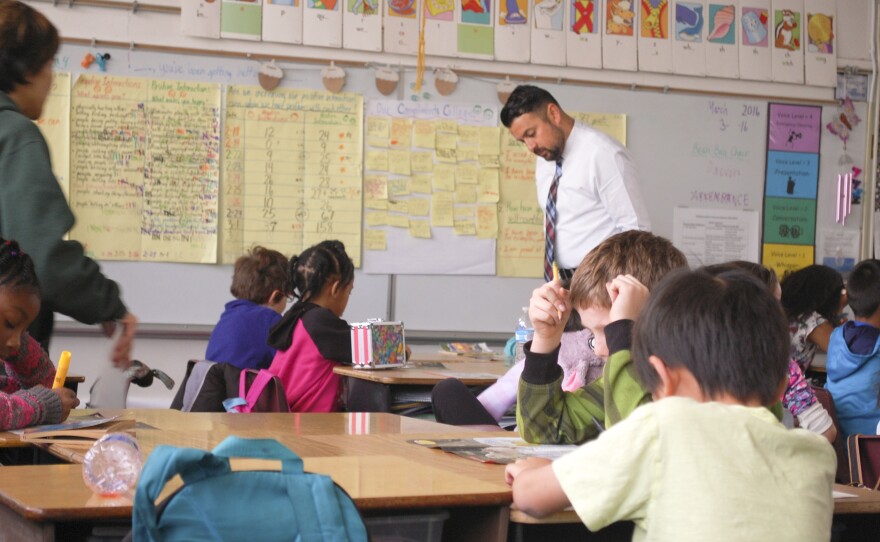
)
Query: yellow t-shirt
[{"x": 689, "y": 471}]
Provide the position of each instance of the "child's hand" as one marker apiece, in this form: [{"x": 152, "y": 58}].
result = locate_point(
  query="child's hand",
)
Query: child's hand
[
  {"x": 548, "y": 311},
  {"x": 515, "y": 469},
  {"x": 68, "y": 401},
  {"x": 628, "y": 296}
]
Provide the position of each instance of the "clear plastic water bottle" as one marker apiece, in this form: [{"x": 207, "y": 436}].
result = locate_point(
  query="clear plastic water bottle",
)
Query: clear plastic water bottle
[
  {"x": 524, "y": 334},
  {"x": 113, "y": 464}
]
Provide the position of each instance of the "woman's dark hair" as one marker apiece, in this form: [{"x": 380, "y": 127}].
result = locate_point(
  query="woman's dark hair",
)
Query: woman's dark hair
[
  {"x": 27, "y": 42},
  {"x": 814, "y": 288},
  {"x": 727, "y": 330},
  {"x": 525, "y": 99},
  {"x": 16, "y": 268},
  {"x": 259, "y": 273},
  {"x": 316, "y": 265}
]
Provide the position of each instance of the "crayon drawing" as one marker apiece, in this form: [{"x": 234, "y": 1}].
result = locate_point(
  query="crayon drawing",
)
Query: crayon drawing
[
  {"x": 583, "y": 17},
  {"x": 754, "y": 27},
  {"x": 820, "y": 33},
  {"x": 476, "y": 12},
  {"x": 549, "y": 14},
  {"x": 439, "y": 10},
  {"x": 402, "y": 8},
  {"x": 363, "y": 7},
  {"x": 722, "y": 24},
  {"x": 655, "y": 19},
  {"x": 787, "y": 29},
  {"x": 513, "y": 12},
  {"x": 619, "y": 17},
  {"x": 689, "y": 22}
]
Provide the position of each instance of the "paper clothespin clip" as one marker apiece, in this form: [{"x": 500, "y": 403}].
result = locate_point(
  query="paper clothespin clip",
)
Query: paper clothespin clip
[
  {"x": 87, "y": 60},
  {"x": 102, "y": 59}
]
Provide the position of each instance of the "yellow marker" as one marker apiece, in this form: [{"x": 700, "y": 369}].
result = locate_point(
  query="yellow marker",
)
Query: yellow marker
[
  {"x": 555, "y": 272},
  {"x": 61, "y": 373}
]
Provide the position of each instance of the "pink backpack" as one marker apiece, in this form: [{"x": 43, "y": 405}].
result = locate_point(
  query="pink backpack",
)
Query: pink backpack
[{"x": 258, "y": 391}]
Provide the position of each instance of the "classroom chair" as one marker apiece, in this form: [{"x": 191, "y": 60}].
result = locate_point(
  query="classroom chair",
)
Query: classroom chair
[
  {"x": 110, "y": 390},
  {"x": 824, "y": 397}
]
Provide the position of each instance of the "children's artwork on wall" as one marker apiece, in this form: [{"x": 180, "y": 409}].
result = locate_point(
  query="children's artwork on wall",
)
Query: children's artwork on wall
[
  {"x": 583, "y": 45},
  {"x": 200, "y": 18},
  {"x": 820, "y": 62},
  {"x": 401, "y": 25},
  {"x": 283, "y": 21},
  {"x": 241, "y": 19},
  {"x": 754, "y": 44},
  {"x": 722, "y": 54},
  {"x": 476, "y": 31},
  {"x": 787, "y": 47},
  {"x": 655, "y": 47},
  {"x": 362, "y": 25},
  {"x": 512, "y": 36},
  {"x": 619, "y": 43},
  {"x": 548, "y": 34},
  {"x": 440, "y": 28},
  {"x": 689, "y": 38},
  {"x": 322, "y": 23}
]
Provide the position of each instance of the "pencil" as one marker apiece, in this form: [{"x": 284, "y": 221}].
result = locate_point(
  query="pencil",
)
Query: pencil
[
  {"x": 556, "y": 280},
  {"x": 61, "y": 373}
]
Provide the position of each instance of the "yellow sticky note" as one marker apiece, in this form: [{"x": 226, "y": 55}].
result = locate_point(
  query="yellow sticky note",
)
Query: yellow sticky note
[
  {"x": 490, "y": 161},
  {"x": 466, "y": 173},
  {"x": 423, "y": 134},
  {"x": 444, "y": 178},
  {"x": 376, "y": 218},
  {"x": 441, "y": 209},
  {"x": 421, "y": 184},
  {"x": 422, "y": 162},
  {"x": 487, "y": 186},
  {"x": 401, "y": 133},
  {"x": 398, "y": 206},
  {"x": 446, "y": 140},
  {"x": 398, "y": 221},
  {"x": 381, "y": 204},
  {"x": 465, "y": 193},
  {"x": 463, "y": 212},
  {"x": 399, "y": 162},
  {"x": 446, "y": 126},
  {"x": 375, "y": 240},
  {"x": 376, "y": 161},
  {"x": 467, "y": 154},
  {"x": 375, "y": 187},
  {"x": 398, "y": 187},
  {"x": 378, "y": 128},
  {"x": 487, "y": 221},
  {"x": 468, "y": 136},
  {"x": 446, "y": 156},
  {"x": 419, "y": 206},
  {"x": 465, "y": 227},
  {"x": 490, "y": 140},
  {"x": 420, "y": 229}
]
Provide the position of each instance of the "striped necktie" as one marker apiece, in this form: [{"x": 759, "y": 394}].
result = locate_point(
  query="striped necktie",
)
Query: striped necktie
[{"x": 550, "y": 225}]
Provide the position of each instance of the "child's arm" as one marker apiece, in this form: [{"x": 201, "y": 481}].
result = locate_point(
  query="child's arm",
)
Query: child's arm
[
  {"x": 821, "y": 335},
  {"x": 536, "y": 490},
  {"x": 332, "y": 335}
]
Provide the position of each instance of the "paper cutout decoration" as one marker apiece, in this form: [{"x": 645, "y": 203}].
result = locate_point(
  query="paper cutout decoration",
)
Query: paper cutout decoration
[
  {"x": 754, "y": 49},
  {"x": 842, "y": 124},
  {"x": 655, "y": 49},
  {"x": 270, "y": 75},
  {"x": 333, "y": 77},
  {"x": 445, "y": 81},
  {"x": 386, "y": 80},
  {"x": 619, "y": 43},
  {"x": 583, "y": 41},
  {"x": 820, "y": 62},
  {"x": 722, "y": 55},
  {"x": 505, "y": 89},
  {"x": 282, "y": 21}
]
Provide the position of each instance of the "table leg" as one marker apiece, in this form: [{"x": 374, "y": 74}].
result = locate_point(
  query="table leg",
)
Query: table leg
[
  {"x": 17, "y": 528},
  {"x": 365, "y": 396}
]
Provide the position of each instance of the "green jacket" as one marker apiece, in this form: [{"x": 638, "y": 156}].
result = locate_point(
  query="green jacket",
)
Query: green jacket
[
  {"x": 33, "y": 212},
  {"x": 546, "y": 414}
]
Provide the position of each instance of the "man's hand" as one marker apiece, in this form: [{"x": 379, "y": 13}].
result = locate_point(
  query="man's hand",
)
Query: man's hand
[{"x": 121, "y": 355}]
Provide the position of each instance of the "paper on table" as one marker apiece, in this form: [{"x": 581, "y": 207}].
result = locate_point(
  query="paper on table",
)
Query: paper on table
[{"x": 841, "y": 495}]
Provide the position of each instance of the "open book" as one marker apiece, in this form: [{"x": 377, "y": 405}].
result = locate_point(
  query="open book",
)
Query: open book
[
  {"x": 502, "y": 450},
  {"x": 78, "y": 432}
]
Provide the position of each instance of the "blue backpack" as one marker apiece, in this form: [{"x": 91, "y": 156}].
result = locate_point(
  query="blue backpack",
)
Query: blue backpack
[{"x": 216, "y": 503}]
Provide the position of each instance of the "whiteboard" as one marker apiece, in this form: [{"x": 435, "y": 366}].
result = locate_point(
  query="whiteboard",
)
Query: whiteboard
[{"x": 691, "y": 150}]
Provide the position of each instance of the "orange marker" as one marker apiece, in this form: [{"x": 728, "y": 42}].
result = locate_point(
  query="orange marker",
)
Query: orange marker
[{"x": 61, "y": 373}]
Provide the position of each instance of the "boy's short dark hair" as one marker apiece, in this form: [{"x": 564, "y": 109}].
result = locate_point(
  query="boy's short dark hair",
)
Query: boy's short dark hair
[
  {"x": 525, "y": 99},
  {"x": 642, "y": 254},
  {"x": 863, "y": 288},
  {"x": 727, "y": 330},
  {"x": 259, "y": 273},
  {"x": 28, "y": 41},
  {"x": 760, "y": 272}
]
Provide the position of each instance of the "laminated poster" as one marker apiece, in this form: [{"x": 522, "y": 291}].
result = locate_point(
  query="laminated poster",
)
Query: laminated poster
[
  {"x": 401, "y": 25},
  {"x": 362, "y": 25},
  {"x": 476, "y": 31},
  {"x": 722, "y": 54},
  {"x": 619, "y": 45},
  {"x": 54, "y": 124},
  {"x": 441, "y": 32},
  {"x": 322, "y": 23},
  {"x": 820, "y": 60},
  {"x": 689, "y": 38},
  {"x": 754, "y": 44},
  {"x": 655, "y": 46},
  {"x": 548, "y": 33},
  {"x": 200, "y": 18},
  {"x": 242, "y": 19},
  {"x": 283, "y": 21},
  {"x": 787, "y": 47},
  {"x": 583, "y": 43},
  {"x": 512, "y": 40}
]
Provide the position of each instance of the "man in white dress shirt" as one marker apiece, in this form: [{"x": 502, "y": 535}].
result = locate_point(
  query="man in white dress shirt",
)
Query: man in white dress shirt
[{"x": 597, "y": 192}]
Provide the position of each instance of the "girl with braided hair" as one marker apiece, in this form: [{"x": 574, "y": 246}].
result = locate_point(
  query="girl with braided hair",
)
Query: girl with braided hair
[
  {"x": 26, "y": 372},
  {"x": 312, "y": 337}
]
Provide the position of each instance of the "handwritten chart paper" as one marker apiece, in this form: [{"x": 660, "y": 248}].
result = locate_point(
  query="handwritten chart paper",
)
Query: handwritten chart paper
[
  {"x": 145, "y": 168},
  {"x": 55, "y": 126},
  {"x": 292, "y": 170}
]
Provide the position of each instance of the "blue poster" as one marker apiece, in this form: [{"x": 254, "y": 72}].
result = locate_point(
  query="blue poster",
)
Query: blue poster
[{"x": 792, "y": 174}]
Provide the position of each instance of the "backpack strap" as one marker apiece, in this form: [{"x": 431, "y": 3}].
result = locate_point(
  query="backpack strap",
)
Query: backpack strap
[
  {"x": 251, "y": 395},
  {"x": 260, "y": 448}
]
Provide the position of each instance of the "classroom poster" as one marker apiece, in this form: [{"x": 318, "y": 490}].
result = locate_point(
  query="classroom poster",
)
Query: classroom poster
[
  {"x": 362, "y": 25},
  {"x": 610, "y": 124},
  {"x": 476, "y": 28},
  {"x": 401, "y": 27},
  {"x": 722, "y": 53},
  {"x": 655, "y": 45},
  {"x": 241, "y": 19},
  {"x": 322, "y": 22},
  {"x": 619, "y": 42},
  {"x": 200, "y": 18},
  {"x": 838, "y": 248},
  {"x": 145, "y": 168},
  {"x": 712, "y": 236},
  {"x": 755, "y": 37},
  {"x": 283, "y": 21},
  {"x": 431, "y": 188},
  {"x": 787, "y": 47},
  {"x": 689, "y": 38},
  {"x": 820, "y": 59},
  {"x": 292, "y": 162},
  {"x": 583, "y": 40},
  {"x": 54, "y": 124},
  {"x": 512, "y": 36},
  {"x": 520, "y": 250},
  {"x": 548, "y": 32},
  {"x": 441, "y": 31}
]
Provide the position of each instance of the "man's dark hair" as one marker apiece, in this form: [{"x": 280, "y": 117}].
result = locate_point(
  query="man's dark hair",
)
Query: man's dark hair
[
  {"x": 727, "y": 330},
  {"x": 863, "y": 288},
  {"x": 27, "y": 42},
  {"x": 525, "y": 99}
]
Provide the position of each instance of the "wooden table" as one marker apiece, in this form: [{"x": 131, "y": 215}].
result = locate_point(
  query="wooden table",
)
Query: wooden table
[
  {"x": 367, "y": 454},
  {"x": 378, "y": 390}
]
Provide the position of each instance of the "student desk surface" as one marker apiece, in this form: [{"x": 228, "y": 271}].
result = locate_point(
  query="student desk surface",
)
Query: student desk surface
[{"x": 367, "y": 454}]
